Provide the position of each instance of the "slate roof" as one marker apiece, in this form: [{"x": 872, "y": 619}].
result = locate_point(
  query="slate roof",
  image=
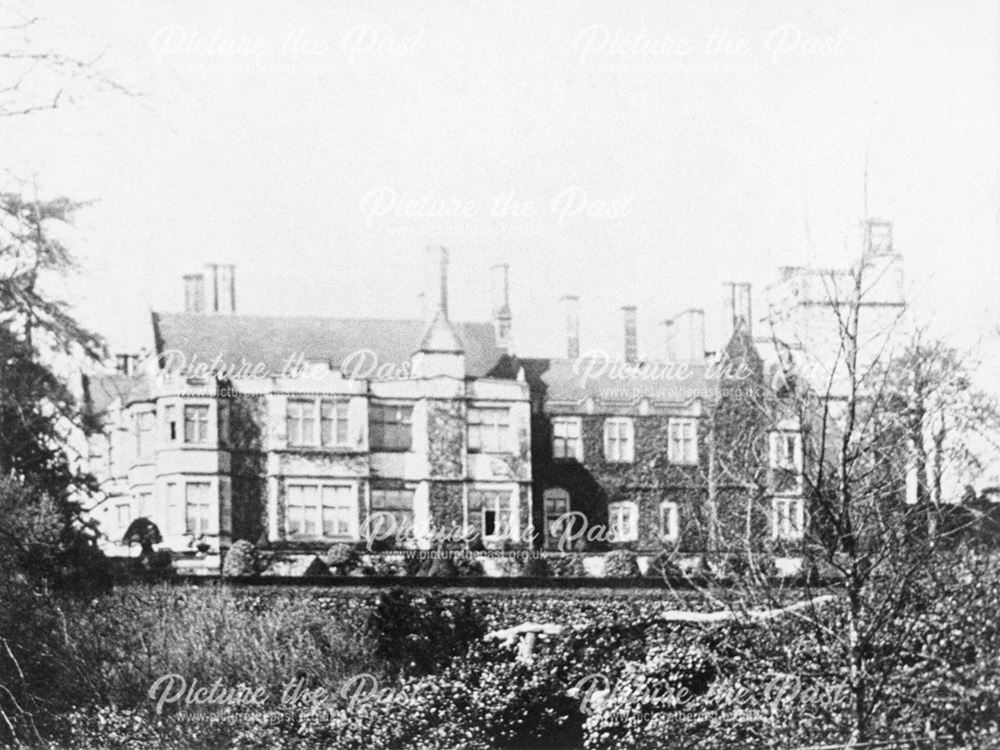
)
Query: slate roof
[
  {"x": 272, "y": 340},
  {"x": 562, "y": 380},
  {"x": 101, "y": 390}
]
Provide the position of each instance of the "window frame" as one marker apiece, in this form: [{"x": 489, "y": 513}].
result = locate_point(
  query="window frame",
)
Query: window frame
[
  {"x": 670, "y": 532},
  {"x": 796, "y": 511},
  {"x": 614, "y": 525},
  {"x": 191, "y": 525},
  {"x": 404, "y": 424},
  {"x": 197, "y": 423},
  {"x": 319, "y": 507},
  {"x": 403, "y": 512},
  {"x": 503, "y": 505},
  {"x": 339, "y": 411},
  {"x": 497, "y": 429},
  {"x": 550, "y": 518},
  {"x": 778, "y": 457},
  {"x": 174, "y": 428},
  {"x": 676, "y": 452},
  {"x": 625, "y": 453},
  {"x": 145, "y": 440},
  {"x": 577, "y": 440}
]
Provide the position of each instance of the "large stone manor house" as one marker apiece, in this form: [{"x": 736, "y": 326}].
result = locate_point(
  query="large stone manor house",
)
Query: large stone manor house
[{"x": 299, "y": 433}]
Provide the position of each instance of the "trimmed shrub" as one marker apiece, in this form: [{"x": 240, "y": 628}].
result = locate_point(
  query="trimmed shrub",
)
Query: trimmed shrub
[
  {"x": 567, "y": 566},
  {"x": 343, "y": 558},
  {"x": 442, "y": 566},
  {"x": 621, "y": 564},
  {"x": 469, "y": 566},
  {"x": 534, "y": 567},
  {"x": 381, "y": 565},
  {"x": 242, "y": 559}
]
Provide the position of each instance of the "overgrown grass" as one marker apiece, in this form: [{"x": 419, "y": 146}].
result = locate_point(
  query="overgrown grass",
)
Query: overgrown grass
[{"x": 136, "y": 635}]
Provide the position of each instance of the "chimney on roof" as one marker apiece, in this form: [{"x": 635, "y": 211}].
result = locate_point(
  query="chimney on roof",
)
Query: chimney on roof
[
  {"x": 631, "y": 335},
  {"x": 194, "y": 293},
  {"x": 221, "y": 282},
  {"x": 570, "y": 304},
  {"x": 738, "y": 307},
  {"x": 686, "y": 336},
  {"x": 501, "y": 304},
  {"x": 443, "y": 280}
]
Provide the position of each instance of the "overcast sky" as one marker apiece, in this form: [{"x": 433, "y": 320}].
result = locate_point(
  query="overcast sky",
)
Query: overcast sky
[{"x": 638, "y": 153}]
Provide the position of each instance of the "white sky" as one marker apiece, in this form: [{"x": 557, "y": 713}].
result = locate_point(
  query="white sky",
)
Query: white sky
[{"x": 700, "y": 164}]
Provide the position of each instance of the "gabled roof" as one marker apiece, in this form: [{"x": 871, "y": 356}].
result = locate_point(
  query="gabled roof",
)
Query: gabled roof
[{"x": 271, "y": 340}]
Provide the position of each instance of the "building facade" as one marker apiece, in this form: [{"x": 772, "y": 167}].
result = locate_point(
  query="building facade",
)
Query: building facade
[{"x": 301, "y": 433}]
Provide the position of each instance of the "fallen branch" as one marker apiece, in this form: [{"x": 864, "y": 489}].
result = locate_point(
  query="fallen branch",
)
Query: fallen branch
[{"x": 527, "y": 634}]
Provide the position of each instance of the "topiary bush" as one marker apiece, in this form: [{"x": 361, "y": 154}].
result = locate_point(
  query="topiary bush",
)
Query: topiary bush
[
  {"x": 468, "y": 566},
  {"x": 567, "y": 566},
  {"x": 442, "y": 566},
  {"x": 242, "y": 559},
  {"x": 382, "y": 565},
  {"x": 343, "y": 558},
  {"x": 621, "y": 564}
]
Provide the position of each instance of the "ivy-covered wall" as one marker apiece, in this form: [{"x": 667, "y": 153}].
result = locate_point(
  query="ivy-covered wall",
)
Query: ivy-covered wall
[{"x": 446, "y": 426}]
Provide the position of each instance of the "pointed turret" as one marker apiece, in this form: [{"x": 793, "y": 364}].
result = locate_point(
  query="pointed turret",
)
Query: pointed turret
[{"x": 440, "y": 353}]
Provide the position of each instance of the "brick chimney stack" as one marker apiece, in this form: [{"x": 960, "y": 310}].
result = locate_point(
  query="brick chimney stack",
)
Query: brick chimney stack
[
  {"x": 631, "y": 335},
  {"x": 443, "y": 281},
  {"x": 194, "y": 293},
  {"x": 221, "y": 279},
  {"x": 686, "y": 336},
  {"x": 570, "y": 304}
]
